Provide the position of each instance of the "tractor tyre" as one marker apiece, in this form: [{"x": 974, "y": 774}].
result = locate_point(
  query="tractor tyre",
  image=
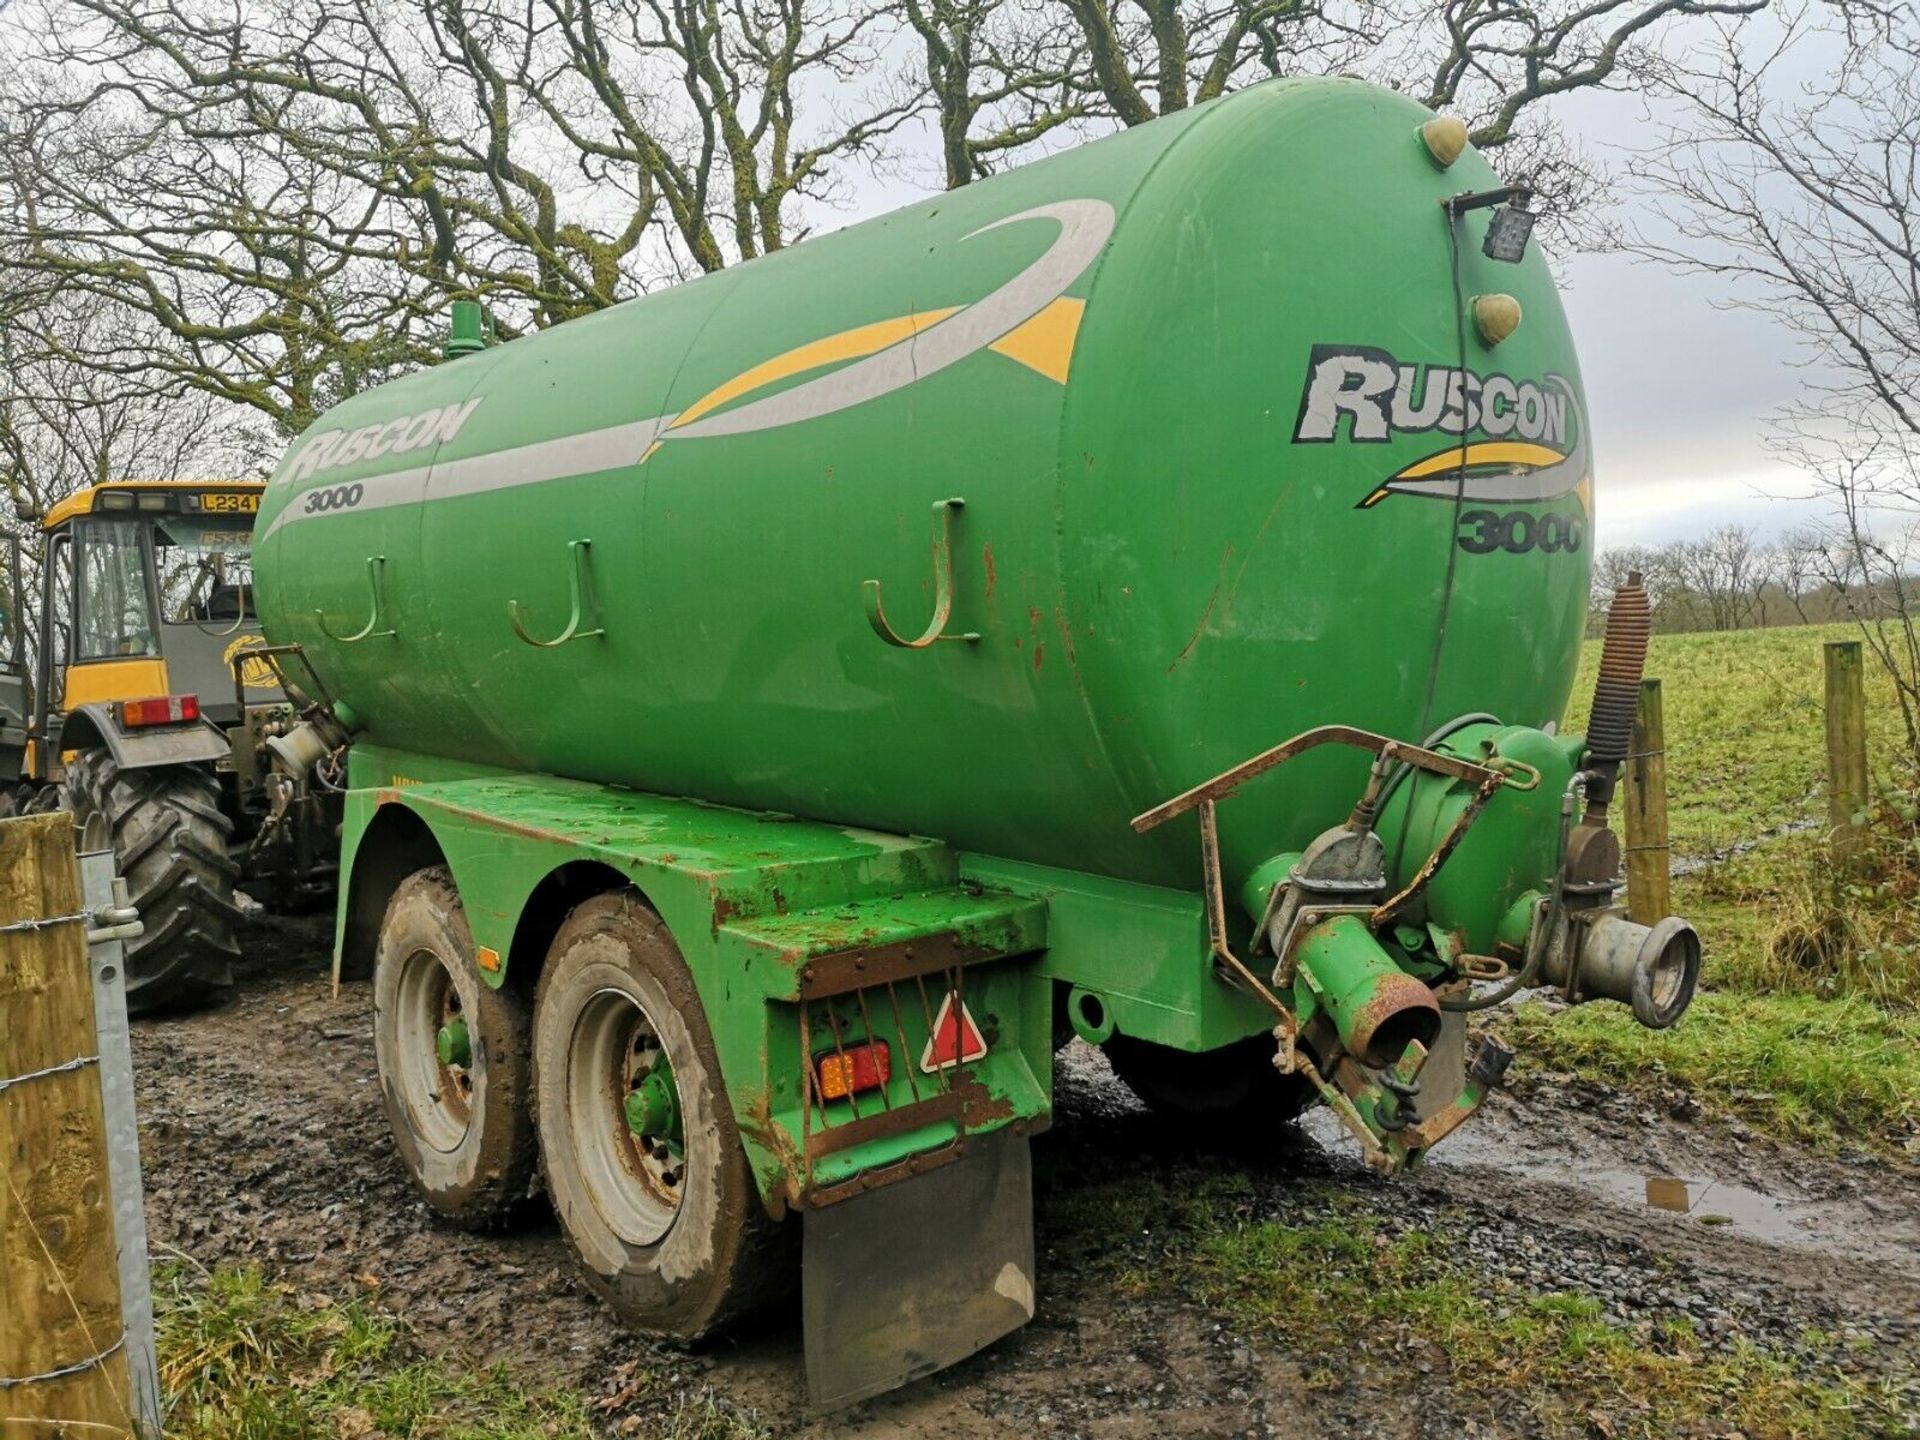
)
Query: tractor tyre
[
  {"x": 642, "y": 1154},
  {"x": 1233, "y": 1091},
  {"x": 456, "y": 1068},
  {"x": 169, "y": 841}
]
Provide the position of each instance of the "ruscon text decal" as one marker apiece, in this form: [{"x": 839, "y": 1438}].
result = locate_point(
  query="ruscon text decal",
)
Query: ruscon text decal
[
  {"x": 1517, "y": 440},
  {"x": 337, "y": 449}
]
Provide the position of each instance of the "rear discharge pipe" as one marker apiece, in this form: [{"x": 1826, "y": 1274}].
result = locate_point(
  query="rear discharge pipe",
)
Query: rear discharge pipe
[{"x": 1598, "y": 953}]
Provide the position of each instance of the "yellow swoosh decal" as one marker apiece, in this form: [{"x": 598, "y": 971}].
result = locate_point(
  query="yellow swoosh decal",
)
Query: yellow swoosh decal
[
  {"x": 1045, "y": 343},
  {"x": 847, "y": 345},
  {"x": 1484, "y": 452}
]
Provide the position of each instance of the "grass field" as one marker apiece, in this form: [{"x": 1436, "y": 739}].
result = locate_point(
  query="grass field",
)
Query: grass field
[
  {"x": 245, "y": 1359},
  {"x": 1808, "y": 1023},
  {"x": 1745, "y": 720}
]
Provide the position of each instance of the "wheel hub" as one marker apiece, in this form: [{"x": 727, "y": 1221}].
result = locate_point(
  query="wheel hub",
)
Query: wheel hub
[
  {"x": 653, "y": 1107},
  {"x": 451, "y": 1045},
  {"x": 628, "y": 1122},
  {"x": 434, "y": 1062}
]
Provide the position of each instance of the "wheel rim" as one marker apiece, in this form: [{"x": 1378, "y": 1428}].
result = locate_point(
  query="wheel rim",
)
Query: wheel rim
[
  {"x": 623, "y": 1107},
  {"x": 95, "y": 833},
  {"x": 432, "y": 1054}
]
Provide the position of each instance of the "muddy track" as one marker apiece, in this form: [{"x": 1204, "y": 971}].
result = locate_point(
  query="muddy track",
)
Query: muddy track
[{"x": 265, "y": 1143}]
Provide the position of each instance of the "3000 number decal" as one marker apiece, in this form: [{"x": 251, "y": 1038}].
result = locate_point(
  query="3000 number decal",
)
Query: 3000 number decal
[
  {"x": 1516, "y": 532},
  {"x": 334, "y": 497}
]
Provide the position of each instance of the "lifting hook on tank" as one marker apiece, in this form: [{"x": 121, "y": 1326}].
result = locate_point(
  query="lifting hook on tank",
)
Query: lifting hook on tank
[
  {"x": 376, "y": 582},
  {"x": 586, "y": 604},
  {"x": 943, "y": 511}
]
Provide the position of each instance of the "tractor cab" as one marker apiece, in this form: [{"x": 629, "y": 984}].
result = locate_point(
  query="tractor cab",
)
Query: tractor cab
[{"x": 147, "y": 590}]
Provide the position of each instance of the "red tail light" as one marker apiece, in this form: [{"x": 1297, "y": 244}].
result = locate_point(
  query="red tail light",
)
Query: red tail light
[
  {"x": 848, "y": 1072},
  {"x": 159, "y": 710}
]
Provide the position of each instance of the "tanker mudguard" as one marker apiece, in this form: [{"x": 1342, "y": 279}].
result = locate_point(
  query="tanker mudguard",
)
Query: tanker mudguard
[{"x": 95, "y": 724}]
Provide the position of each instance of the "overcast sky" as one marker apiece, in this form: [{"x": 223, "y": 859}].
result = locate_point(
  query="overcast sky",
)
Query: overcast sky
[{"x": 1680, "y": 383}]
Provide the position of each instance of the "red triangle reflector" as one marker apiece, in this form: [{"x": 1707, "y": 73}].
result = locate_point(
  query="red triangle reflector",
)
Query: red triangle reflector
[{"x": 956, "y": 1040}]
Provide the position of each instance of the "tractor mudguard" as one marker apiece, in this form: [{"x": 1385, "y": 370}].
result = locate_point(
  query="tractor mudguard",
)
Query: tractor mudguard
[{"x": 96, "y": 725}]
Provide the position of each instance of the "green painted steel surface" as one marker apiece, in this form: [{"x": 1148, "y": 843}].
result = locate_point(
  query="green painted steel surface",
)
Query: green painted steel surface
[
  {"x": 1166, "y": 372},
  {"x": 751, "y": 899}
]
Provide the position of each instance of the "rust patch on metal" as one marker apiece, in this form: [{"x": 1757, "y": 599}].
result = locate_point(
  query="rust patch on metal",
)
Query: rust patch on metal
[
  {"x": 756, "y": 1123},
  {"x": 1206, "y": 615},
  {"x": 986, "y": 559},
  {"x": 492, "y": 821},
  {"x": 848, "y": 970},
  {"x": 883, "y": 1124},
  {"x": 824, "y": 1195},
  {"x": 983, "y": 1108}
]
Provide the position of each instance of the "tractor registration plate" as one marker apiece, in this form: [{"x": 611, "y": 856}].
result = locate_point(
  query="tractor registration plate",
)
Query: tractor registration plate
[{"x": 231, "y": 504}]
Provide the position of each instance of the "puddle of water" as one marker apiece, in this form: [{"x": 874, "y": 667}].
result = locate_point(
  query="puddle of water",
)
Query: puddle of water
[
  {"x": 1691, "y": 864},
  {"x": 1790, "y": 1217}
]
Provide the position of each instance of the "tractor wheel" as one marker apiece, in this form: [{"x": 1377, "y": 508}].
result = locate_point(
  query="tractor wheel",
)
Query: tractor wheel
[
  {"x": 453, "y": 1051},
  {"x": 169, "y": 842},
  {"x": 643, "y": 1159},
  {"x": 1234, "y": 1088}
]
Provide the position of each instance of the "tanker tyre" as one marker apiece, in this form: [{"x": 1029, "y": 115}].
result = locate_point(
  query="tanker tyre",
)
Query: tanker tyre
[
  {"x": 1233, "y": 1091},
  {"x": 168, "y": 835},
  {"x": 462, "y": 1118},
  {"x": 667, "y": 1222}
]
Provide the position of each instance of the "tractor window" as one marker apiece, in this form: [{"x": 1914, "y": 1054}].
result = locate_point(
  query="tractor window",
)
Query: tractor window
[
  {"x": 206, "y": 569},
  {"x": 114, "y": 608}
]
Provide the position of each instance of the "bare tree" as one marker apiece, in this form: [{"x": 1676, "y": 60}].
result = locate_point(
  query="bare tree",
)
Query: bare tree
[
  {"x": 1806, "y": 198},
  {"x": 292, "y": 192},
  {"x": 1004, "y": 73},
  {"x": 1612, "y": 567},
  {"x": 1798, "y": 568},
  {"x": 1724, "y": 572}
]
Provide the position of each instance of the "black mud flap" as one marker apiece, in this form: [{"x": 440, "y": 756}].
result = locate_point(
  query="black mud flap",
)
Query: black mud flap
[{"x": 912, "y": 1277}]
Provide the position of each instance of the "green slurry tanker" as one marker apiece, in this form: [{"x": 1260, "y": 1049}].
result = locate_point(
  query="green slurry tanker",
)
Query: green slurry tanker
[{"x": 1128, "y": 597}]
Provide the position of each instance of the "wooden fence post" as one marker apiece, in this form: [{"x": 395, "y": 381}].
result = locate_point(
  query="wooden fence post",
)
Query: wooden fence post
[
  {"x": 1848, "y": 792},
  {"x": 1649, "y": 851},
  {"x": 62, "y": 1345}
]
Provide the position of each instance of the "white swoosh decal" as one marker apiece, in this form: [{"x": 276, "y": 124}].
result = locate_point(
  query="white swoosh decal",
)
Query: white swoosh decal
[{"x": 1084, "y": 228}]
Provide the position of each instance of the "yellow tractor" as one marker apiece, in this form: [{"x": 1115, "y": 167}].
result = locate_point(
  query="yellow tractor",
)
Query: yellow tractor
[{"x": 144, "y": 714}]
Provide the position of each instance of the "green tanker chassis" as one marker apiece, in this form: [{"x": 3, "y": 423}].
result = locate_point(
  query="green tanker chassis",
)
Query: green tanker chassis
[{"x": 770, "y": 910}]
